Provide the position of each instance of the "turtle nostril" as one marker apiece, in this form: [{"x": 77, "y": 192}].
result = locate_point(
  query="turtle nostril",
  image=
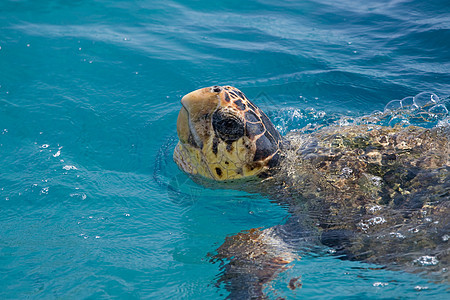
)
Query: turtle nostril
[{"x": 216, "y": 89}]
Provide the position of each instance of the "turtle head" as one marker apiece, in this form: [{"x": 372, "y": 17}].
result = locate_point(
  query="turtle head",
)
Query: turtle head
[{"x": 223, "y": 136}]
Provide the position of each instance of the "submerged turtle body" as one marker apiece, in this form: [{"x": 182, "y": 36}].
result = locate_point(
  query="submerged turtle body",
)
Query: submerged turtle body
[{"x": 373, "y": 193}]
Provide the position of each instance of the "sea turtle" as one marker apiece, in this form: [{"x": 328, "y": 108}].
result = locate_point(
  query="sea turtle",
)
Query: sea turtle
[{"x": 372, "y": 193}]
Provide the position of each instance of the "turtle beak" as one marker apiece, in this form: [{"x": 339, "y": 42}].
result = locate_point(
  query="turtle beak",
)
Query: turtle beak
[
  {"x": 191, "y": 103},
  {"x": 183, "y": 125},
  {"x": 200, "y": 102}
]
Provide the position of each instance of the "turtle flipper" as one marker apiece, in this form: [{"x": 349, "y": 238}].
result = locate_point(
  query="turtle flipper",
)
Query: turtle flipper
[{"x": 251, "y": 259}]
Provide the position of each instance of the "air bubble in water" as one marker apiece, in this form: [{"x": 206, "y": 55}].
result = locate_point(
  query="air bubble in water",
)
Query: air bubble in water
[
  {"x": 393, "y": 106},
  {"x": 380, "y": 284},
  {"x": 425, "y": 99},
  {"x": 439, "y": 110},
  {"x": 68, "y": 167},
  {"x": 398, "y": 120},
  {"x": 408, "y": 103}
]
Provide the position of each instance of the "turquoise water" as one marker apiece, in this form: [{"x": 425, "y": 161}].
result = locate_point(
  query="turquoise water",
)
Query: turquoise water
[{"x": 91, "y": 203}]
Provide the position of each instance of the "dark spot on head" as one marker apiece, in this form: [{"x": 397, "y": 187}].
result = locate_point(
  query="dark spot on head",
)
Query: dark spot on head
[
  {"x": 219, "y": 172},
  {"x": 240, "y": 94},
  {"x": 251, "y": 105},
  {"x": 253, "y": 129},
  {"x": 240, "y": 105},
  {"x": 239, "y": 171},
  {"x": 227, "y": 97},
  {"x": 227, "y": 163},
  {"x": 229, "y": 146},
  {"x": 271, "y": 138},
  {"x": 233, "y": 94},
  {"x": 265, "y": 147},
  {"x": 269, "y": 126},
  {"x": 215, "y": 145},
  {"x": 250, "y": 116}
]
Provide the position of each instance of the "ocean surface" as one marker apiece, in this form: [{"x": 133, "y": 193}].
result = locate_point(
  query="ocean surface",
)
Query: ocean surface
[{"x": 91, "y": 203}]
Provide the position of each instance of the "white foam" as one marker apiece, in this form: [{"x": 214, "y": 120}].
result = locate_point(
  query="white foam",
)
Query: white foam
[{"x": 68, "y": 167}]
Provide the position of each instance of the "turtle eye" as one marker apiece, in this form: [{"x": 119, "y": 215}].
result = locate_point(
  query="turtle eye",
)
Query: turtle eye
[{"x": 227, "y": 127}]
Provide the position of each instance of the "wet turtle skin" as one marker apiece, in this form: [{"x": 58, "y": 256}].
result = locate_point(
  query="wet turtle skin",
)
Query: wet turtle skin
[{"x": 371, "y": 193}]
